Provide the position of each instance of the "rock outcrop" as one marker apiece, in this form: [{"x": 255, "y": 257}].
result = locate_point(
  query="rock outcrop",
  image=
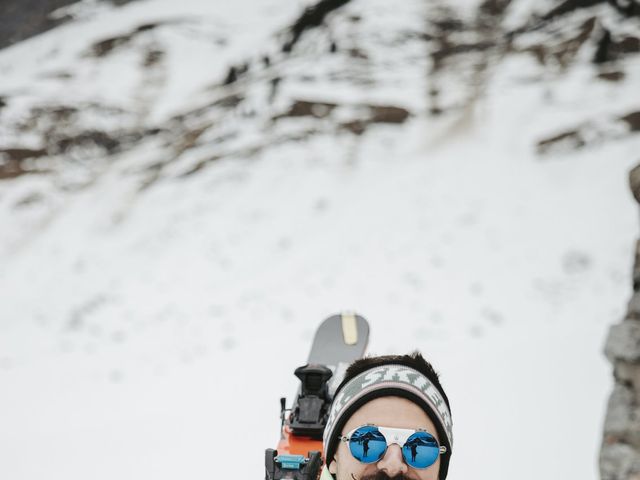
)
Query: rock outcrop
[{"x": 620, "y": 453}]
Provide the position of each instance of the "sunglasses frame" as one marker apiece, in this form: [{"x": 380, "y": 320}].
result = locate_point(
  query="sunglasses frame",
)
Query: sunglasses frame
[{"x": 397, "y": 436}]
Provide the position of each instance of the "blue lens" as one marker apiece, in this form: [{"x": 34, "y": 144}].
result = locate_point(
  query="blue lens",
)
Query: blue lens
[
  {"x": 367, "y": 444},
  {"x": 421, "y": 450}
]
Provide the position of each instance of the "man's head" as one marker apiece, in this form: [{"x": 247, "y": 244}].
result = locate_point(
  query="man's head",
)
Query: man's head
[{"x": 401, "y": 396}]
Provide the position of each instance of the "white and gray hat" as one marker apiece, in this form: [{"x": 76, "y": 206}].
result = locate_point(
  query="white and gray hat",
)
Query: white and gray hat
[{"x": 383, "y": 381}]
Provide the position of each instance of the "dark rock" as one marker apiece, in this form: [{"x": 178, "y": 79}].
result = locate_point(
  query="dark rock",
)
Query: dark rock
[
  {"x": 540, "y": 52},
  {"x": 614, "y": 76},
  {"x": 274, "y": 83},
  {"x": 494, "y": 7},
  {"x": 356, "y": 127},
  {"x": 235, "y": 72},
  {"x": 106, "y": 46},
  {"x": 146, "y": 27},
  {"x": 634, "y": 182},
  {"x": 153, "y": 57},
  {"x": 303, "y": 108},
  {"x": 448, "y": 24},
  {"x": 609, "y": 50},
  {"x": 633, "y": 120},
  {"x": 11, "y": 169},
  {"x": 448, "y": 50},
  {"x": 242, "y": 68},
  {"x": 21, "y": 154},
  {"x": 312, "y": 17},
  {"x": 628, "y": 374},
  {"x": 190, "y": 138},
  {"x": 357, "y": 53},
  {"x": 566, "y": 51},
  {"x": 623, "y": 341},
  {"x": 232, "y": 76},
  {"x": 58, "y": 113},
  {"x": 602, "y": 52},
  {"x": 633, "y": 307},
  {"x": 199, "y": 166},
  {"x": 570, "y": 6},
  {"x": 619, "y": 422},
  {"x": 636, "y": 262},
  {"x": 150, "y": 132},
  {"x": 618, "y": 461},
  {"x": 11, "y": 161},
  {"x": 629, "y": 8},
  {"x": 388, "y": 114},
  {"x": 230, "y": 101},
  {"x": 89, "y": 138},
  {"x": 563, "y": 52},
  {"x": 572, "y": 139},
  {"x": 628, "y": 45}
]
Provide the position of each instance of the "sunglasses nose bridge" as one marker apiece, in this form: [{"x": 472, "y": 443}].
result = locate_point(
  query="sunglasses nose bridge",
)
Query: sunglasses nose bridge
[
  {"x": 395, "y": 435},
  {"x": 392, "y": 462}
]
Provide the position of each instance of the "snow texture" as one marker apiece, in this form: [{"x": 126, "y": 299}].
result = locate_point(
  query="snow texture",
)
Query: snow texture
[{"x": 158, "y": 295}]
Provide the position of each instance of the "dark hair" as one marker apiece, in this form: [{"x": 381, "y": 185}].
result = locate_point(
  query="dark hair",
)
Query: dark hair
[{"x": 414, "y": 360}]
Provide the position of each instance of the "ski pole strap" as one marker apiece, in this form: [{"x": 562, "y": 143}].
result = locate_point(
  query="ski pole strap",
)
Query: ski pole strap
[{"x": 383, "y": 381}]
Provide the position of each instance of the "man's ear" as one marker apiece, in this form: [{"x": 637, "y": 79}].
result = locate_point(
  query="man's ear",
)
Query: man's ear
[{"x": 333, "y": 467}]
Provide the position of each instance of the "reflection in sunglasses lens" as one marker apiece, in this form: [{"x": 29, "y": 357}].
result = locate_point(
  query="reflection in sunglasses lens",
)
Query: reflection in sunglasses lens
[
  {"x": 367, "y": 444},
  {"x": 420, "y": 450}
]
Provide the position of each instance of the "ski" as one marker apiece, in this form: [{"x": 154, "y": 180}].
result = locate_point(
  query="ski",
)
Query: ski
[{"x": 338, "y": 341}]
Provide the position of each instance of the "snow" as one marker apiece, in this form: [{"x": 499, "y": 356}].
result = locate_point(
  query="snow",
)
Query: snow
[{"x": 151, "y": 334}]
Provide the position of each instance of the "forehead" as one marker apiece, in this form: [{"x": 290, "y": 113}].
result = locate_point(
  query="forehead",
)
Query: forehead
[{"x": 395, "y": 412}]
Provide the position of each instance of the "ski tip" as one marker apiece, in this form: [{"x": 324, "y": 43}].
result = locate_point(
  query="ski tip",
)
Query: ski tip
[{"x": 342, "y": 337}]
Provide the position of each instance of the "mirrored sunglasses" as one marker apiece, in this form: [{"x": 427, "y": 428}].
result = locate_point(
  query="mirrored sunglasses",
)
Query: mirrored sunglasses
[{"x": 369, "y": 443}]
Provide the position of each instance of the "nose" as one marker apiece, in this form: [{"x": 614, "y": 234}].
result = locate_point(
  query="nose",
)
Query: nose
[{"x": 392, "y": 463}]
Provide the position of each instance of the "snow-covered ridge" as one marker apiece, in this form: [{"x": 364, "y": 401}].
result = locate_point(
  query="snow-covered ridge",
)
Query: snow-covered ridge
[{"x": 116, "y": 90}]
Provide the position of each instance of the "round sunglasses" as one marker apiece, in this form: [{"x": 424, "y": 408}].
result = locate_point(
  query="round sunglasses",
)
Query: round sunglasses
[{"x": 369, "y": 443}]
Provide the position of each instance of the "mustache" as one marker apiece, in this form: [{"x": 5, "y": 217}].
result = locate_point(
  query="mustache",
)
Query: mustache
[{"x": 380, "y": 475}]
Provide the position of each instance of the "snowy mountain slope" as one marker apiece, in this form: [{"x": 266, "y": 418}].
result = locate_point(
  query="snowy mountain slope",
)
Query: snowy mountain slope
[{"x": 195, "y": 206}]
